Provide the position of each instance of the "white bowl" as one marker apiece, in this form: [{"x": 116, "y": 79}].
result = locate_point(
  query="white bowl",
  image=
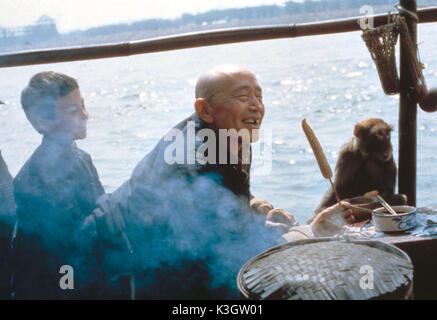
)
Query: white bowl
[{"x": 404, "y": 220}]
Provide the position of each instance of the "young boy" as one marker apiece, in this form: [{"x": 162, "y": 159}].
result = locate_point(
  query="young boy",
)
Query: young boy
[{"x": 55, "y": 191}]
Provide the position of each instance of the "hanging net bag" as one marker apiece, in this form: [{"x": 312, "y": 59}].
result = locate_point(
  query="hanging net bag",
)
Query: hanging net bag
[{"x": 381, "y": 42}]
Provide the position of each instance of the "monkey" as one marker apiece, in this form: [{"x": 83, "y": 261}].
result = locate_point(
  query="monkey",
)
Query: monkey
[{"x": 365, "y": 163}]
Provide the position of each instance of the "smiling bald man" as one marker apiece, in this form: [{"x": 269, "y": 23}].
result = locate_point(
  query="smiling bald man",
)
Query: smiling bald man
[
  {"x": 230, "y": 97},
  {"x": 190, "y": 225}
]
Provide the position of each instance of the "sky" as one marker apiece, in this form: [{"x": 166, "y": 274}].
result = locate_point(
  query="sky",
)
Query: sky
[{"x": 82, "y": 14}]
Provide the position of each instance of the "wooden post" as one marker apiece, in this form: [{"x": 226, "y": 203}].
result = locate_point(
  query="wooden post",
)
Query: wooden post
[{"x": 407, "y": 113}]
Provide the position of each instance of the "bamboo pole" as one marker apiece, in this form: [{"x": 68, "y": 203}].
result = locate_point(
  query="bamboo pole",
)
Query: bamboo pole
[
  {"x": 193, "y": 40},
  {"x": 407, "y": 113}
]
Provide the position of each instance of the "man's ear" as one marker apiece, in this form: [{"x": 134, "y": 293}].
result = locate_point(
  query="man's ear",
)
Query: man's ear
[{"x": 204, "y": 110}]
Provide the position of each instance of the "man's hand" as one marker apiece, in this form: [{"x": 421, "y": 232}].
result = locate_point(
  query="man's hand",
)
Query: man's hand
[
  {"x": 279, "y": 218},
  {"x": 260, "y": 205},
  {"x": 331, "y": 220},
  {"x": 372, "y": 193},
  {"x": 275, "y": 218}
]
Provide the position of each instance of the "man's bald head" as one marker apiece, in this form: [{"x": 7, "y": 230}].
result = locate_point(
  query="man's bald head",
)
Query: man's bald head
[
  {"x": 229, "y": 97},
  {"x": 216, "y": 79}
]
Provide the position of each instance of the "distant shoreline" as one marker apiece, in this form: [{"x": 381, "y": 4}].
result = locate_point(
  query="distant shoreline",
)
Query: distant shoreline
[{"x": 78, "y": 38}]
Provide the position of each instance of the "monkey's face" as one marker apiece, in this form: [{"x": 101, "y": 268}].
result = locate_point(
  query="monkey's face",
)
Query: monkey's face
[
  {"x": 374, "y": 136},
  {"x": 379, "y": 142}
]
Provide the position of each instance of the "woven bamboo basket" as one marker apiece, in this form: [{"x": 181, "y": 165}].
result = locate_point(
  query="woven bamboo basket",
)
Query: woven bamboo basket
[
  {"x": 328, "y": 269},
  {"x": 381, "y": 42}
]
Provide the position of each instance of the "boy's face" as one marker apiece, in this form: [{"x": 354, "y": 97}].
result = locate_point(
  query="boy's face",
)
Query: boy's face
[{"x": 71, "y": 116}]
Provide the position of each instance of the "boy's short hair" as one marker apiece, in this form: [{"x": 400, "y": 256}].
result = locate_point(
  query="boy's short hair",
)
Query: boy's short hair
[{"x": 40, "y": 96}]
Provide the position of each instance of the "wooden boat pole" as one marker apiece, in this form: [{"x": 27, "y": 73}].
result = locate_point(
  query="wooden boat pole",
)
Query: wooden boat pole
[
  {"x": 193, "y": 40},
  {"x": 407, "y": 111}
]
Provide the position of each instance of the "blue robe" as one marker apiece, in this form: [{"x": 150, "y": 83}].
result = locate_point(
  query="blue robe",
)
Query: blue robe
[{"x": 55, "y": 191}]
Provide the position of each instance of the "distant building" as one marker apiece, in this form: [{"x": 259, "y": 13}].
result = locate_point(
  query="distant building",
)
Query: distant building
[{"x": 43, "y": 29}]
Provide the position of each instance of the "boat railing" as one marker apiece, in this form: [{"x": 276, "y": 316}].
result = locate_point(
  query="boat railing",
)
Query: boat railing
[{"x": 196, "y": 39}]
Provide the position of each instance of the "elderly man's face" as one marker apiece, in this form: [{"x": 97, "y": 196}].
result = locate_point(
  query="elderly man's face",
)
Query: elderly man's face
[{"x": 238, "y": 105}]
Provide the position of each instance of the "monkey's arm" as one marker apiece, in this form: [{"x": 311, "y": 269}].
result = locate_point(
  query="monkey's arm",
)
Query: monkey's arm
[
  {"x": 390, "y": 178},
  {"x": 346, "y": 170}
]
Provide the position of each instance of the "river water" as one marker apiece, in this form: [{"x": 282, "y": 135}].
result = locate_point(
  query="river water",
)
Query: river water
[{"x": 330, "y": 80}]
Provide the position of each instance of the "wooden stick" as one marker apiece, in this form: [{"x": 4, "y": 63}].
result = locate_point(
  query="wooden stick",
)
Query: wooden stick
[
  {"x": 386, "y": 205},
  {"x": 335, "y": 191},
  {"x": 362, "y": 208}
]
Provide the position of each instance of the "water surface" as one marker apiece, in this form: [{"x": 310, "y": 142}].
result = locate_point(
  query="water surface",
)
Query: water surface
[{"x": 133, "y": 101}]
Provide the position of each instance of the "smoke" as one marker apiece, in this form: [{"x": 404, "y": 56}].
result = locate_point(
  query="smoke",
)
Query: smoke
[
  {"x": 182, "y": 234},
  {"x": 55, "y": 191},
  {"x": 189, "y": 234},
  {"x": 189, "y": 238},
  {"x": 7, "y": 217}
]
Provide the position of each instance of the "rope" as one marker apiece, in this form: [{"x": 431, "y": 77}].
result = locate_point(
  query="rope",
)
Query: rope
[{"x": 407, "y": 12}]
